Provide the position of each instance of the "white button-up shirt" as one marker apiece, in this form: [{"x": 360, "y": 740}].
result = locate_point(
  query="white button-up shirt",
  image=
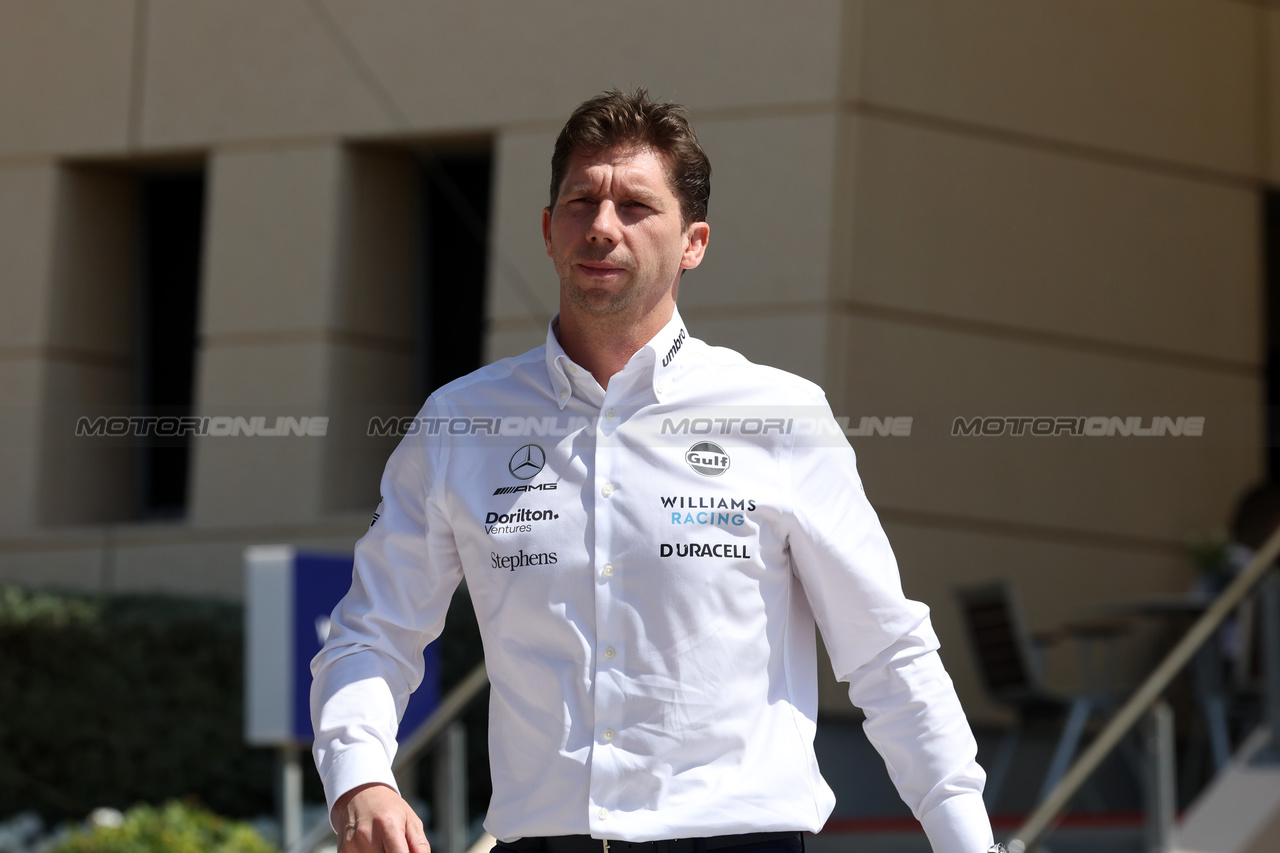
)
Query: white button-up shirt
[{"x": 646, "y": 564}]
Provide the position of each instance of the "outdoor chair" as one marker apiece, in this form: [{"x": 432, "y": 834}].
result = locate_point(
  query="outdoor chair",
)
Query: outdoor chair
[{"x": 1011, "y": 666}]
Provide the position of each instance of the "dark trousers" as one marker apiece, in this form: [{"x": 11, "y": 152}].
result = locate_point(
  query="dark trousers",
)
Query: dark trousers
[{"x": 773, "y": 842}]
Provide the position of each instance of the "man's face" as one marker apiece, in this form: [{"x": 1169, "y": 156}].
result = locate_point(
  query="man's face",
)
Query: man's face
[{"x": 615, "y": 233}]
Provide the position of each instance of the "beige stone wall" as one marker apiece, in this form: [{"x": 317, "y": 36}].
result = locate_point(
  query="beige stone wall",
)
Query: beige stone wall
[
  {"x": 28, "y": 227},
  {"x": 1055, "y": 211},
  {"x": 935, "y": 208}
]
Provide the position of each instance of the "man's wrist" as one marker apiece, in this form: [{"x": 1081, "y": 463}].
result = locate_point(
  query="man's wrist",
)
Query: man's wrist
[{"x": 337, "y": 817}]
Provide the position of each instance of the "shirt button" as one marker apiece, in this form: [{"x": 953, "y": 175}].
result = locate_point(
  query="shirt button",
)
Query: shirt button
[
  {"x": 603, "y": 813},
  {"x": 608, "y": 734},
  {"x": 609, "y": 651},
  {"x": 573, "y": 368},
  {"x": 608, "y": 570},
  {"x": 611, "y": 414},
  {"x": 607, "y": 489},
  {"x": 658, "y": 388},
  {"x": 564, "y": 394}
]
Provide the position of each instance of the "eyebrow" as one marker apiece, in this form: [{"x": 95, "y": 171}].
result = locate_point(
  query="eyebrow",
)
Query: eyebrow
[
  {"x": 652, "y": 199},
  {"x": 639, "y": 194}
]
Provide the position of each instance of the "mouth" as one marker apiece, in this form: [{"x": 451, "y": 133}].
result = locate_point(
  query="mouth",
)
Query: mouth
[{"x": 597, "y": 269}]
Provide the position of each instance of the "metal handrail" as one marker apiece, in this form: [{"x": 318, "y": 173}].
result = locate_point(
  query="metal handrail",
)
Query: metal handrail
[
  {"x": 1145, "y": 696},
  {"x": 423, "y": 737}
]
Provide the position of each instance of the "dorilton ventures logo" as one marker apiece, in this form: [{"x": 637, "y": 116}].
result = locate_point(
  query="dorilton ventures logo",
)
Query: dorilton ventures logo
[
  {"x": 527, "y": 462},
  {"x": 527, "y": 487},
  {"x": 520, "y": 560},
  {"x": 516, "y": 521},
  {"x": 707, "y": 458},
  {"x": 696, "y": 549},
  {"x": 520, "y": 516}
]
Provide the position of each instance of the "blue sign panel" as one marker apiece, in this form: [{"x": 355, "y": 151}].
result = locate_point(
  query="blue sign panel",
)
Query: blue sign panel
[{"x": 319, "y": 583}]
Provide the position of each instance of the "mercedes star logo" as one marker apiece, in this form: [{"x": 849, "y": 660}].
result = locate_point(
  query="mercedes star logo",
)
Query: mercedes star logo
[{"x": 527, "y": 462}]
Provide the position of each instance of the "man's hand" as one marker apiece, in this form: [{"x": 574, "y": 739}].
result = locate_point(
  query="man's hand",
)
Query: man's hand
[{"x": 373, "y": 818}]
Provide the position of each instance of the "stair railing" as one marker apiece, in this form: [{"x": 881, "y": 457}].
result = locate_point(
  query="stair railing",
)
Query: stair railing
[{"x": 1150, "y": 691}]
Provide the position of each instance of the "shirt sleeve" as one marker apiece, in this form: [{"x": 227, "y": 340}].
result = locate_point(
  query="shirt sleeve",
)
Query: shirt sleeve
[
  {"x": 884, "y": 646},
  {"x": 406, "y": 570}
]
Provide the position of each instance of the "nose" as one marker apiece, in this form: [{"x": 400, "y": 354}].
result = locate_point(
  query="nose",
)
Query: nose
[{"x": 605, "y": 226}]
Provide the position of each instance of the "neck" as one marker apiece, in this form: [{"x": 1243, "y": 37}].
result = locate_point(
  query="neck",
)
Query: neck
[{"x": 603, "y": 344}]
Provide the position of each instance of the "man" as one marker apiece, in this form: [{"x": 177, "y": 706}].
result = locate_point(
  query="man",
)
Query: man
[{"x": 649, "y": 527}]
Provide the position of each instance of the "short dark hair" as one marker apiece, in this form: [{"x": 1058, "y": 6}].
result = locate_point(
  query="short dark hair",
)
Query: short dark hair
[{"x": 631, "y": 118}]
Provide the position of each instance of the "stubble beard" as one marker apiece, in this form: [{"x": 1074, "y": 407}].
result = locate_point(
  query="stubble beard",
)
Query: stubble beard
[
  {"x": 599, "y": 301},
  {"x": 617, "y": 305}
]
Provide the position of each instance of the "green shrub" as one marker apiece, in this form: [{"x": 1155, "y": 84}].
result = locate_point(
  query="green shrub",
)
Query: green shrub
[
  {"x": 111, "y": 701},
  {"x": 118, "y": 700},
  {"x": 174, "y": 828}
]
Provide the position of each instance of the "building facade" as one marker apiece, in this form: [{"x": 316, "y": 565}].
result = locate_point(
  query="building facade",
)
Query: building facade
[{"x": 952, "y": 212}]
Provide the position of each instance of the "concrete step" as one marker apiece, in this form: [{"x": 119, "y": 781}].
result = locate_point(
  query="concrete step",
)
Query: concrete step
[{"x": 1240, "y": 810}]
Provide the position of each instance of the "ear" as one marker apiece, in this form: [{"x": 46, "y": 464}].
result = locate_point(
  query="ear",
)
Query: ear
[
  {"x": 695, "y": 244},
  {"x": 546, "y": 229}
]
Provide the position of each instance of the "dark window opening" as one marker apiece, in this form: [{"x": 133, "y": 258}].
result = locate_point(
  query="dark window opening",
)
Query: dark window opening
[
  {"x": 171, "y": 218},
  {"x": 1271, "y": 241},
  {"x": 454, "y": 265},
  {"x": 453, "y": 279}
]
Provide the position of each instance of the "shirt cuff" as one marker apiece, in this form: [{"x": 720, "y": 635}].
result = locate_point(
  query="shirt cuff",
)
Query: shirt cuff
[
  {"x": 958, "y": 824},
  {"x": 354, "y": 768}
]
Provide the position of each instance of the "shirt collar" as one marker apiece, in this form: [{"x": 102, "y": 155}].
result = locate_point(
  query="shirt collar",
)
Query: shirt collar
[{"x": 662, "y": 352}]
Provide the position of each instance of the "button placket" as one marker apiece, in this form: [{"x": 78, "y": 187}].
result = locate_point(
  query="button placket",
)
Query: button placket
[{"x": 609, "y": 696}]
